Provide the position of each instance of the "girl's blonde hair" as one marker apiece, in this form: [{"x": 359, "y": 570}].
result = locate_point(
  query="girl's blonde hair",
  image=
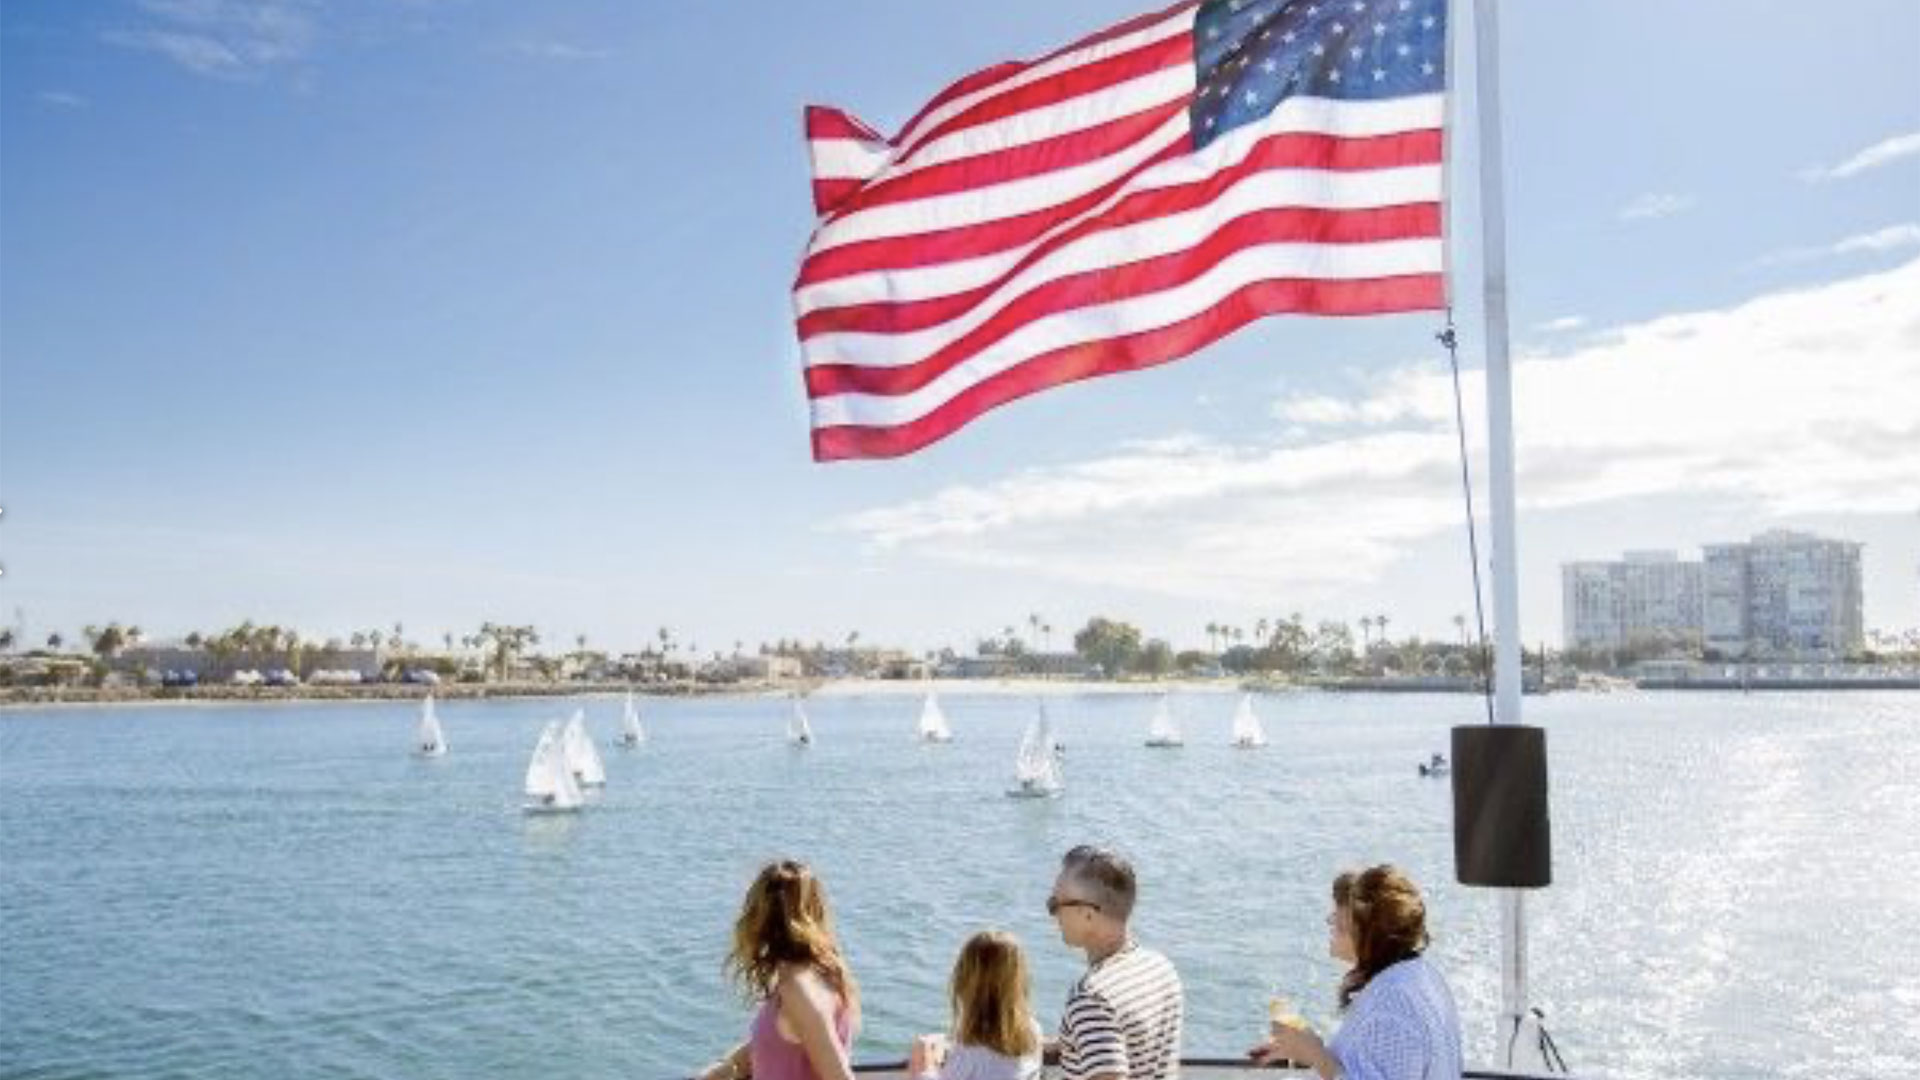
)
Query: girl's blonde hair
[
  {"x": 784, "y": 920},
  {"x": 989, "y": 995}
]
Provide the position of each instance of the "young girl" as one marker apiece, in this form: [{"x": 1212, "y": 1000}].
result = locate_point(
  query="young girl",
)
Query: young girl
[{"x": 995, "y": 1036}]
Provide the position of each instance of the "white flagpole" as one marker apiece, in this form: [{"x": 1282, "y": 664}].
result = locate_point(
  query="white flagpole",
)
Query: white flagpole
[{"x": 1506, "y": 585}]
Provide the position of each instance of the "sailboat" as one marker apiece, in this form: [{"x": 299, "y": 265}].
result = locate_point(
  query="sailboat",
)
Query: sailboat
[
  {"x": 1247, "y": 734},
  {"x": 1164, "y": 731},
  {"x": 799, "y": 732},
  {"x": 1036, "y": 771},
  {"x": 933, "y": 722},
  {"x": 631, "y": 733},
  {"x": 583, "y": 761},
  {"x": 550, "y": 786},
  {"x": 432, "y": 742}
]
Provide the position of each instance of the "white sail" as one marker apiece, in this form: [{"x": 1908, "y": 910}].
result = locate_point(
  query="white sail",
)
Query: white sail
[
  {"x": 550, "y": 783},
  {"x": 1164, "y": 730},
  {"x": 432, "y": 742},
  {"x": 1247, "y": 734},
  {"x": 582, "y": 759},
  {"x": 631, "y": 733},
  {"x": 799, "y": 732},
  {"x": 933, "y": 722},
  {"x": 1036, "y": 771}
]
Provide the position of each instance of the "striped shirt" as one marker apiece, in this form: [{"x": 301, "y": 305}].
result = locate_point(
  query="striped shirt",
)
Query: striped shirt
[{"x": 1123, "y": 1017}]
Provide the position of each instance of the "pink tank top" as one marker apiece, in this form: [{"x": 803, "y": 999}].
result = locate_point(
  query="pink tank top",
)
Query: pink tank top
[{"x": 774, "y": 1058}]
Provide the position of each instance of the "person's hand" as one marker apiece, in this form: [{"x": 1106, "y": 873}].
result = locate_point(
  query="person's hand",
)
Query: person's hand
[
  {"x": 1298, "y": 1045},
  {"x": 926, "y": 1055}
]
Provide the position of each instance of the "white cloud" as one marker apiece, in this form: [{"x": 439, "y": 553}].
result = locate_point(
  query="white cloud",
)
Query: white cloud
[
  {"x": 1802, "y": 402},
  {"x": 1655, "y": 205},
  {"x": 61, "y": 99},
  {"x": 1884, "y": 152},
  {"x": 228, "y": 39},
  {"x": 1562, "y": 325},
  {"x": 1891, "y": 238}
]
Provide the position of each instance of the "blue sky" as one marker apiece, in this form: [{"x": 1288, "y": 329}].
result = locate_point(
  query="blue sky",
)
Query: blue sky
[{"x": 341, "y": 314}]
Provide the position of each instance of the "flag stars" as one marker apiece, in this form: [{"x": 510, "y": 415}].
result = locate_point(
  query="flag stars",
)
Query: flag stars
[
  {"x": 1379, "y": 74},
  {"x": 1355, "y": 52},
  {"x": 1251, "y": 97},
  {"x": 1270, "y": 66},
  {"x": 1426, "y": 23},
  {"x": 1426, "y": 69},
  {"x": 1288, "y": 37},
  {"x": 1319, "y": 49},
  {"x": 1404, "y": 49},
  {"x": 1333, "y": 74},
  {"x": 1379, "y": 29},
  {"x": 1339, "y": 28}
]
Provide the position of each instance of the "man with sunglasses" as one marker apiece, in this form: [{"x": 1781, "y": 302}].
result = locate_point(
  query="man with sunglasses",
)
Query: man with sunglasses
[{"x": 1122, "y": 1020}]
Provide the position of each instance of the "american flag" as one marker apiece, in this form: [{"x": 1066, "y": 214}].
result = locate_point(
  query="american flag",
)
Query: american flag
[{"x": 1118, "y": 204}]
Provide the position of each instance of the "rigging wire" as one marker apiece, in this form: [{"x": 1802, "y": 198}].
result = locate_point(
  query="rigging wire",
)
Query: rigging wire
[{"x": 1451, "y": 341}]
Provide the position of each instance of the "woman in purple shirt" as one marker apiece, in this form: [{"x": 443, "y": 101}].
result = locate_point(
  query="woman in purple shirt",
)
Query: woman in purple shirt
[
  {"x": 785, "y": 957},
  {"x": 1399, "y": 1020}
]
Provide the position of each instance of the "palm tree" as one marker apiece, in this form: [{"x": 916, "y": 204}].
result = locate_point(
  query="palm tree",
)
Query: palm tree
[
  {"x": 1366, "y": 635},
  {"x": 54, "y": 641},
  {"x": 1033, "y": 621},
  {"x": 6, "y": 641},
  {"x": 1381, "y": 622},
  {"x": 1460, "y": 624},
  {"x": 399, "y": 635},
  {"x": 358, "y": 639},
  {"x": 195, "y": 639},
  {"x": 447, "y": 640},
  {"x": 1046, "y": 634},
  {"x": 1213, "y": 633}
]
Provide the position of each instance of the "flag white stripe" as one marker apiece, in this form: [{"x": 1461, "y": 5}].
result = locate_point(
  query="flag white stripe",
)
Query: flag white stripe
[
  {"x": 848, "y": 159},
  {"x": 1061, "y": 118},
  {"x": 1133, "y": 315},
  {"x": 978, "y": 206},
  {"x": 1179, "y": 23},
  {"x": 1295, "y": 116},
  {"x": 1287, "y": 188}
]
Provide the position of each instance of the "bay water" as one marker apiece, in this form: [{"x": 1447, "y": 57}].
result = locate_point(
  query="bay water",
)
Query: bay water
[{"x": 282, "y": 890}]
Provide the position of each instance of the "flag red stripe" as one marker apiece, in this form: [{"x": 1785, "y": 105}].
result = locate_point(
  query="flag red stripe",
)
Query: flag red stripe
[
  {"x": 829, "y": 123},
  {"x": 1291, "y": 151},
  {"x": 1067, "y": 85},
  {"x": 1133, "y": 352},
  {"x": 1106, "y": 285},
  {"x": 1282, "y": 225},
  {"x": 1001, "y": 72},
  {"x": 999, "y": 166},
  {"x": 829, "y": 194}
]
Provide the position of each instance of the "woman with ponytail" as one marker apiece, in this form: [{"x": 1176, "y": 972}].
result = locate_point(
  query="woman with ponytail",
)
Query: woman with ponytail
[{"x": 785, "y": 957}]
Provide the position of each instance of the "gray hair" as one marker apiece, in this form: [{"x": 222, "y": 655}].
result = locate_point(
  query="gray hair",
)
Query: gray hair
[{"x": 1103, "y": 876}]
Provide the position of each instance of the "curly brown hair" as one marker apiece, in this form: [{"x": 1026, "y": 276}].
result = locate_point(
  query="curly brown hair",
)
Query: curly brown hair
[
  {"x": 784, "y": 920},
  {"x": 1388, "y": 922}
]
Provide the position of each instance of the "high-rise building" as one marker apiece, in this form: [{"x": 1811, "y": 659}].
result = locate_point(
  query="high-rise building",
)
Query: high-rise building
[
  {"x": 1650, "y": 598},
  {"x": 1784, "y": 594}
]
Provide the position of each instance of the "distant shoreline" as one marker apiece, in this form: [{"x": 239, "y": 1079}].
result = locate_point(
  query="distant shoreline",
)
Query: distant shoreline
[{"x": 36, "y": 697}]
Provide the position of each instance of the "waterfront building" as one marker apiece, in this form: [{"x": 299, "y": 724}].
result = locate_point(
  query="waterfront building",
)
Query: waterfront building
[
  {"x": 1784, "y": 595},
  {"x": 1646, "y": 599}
]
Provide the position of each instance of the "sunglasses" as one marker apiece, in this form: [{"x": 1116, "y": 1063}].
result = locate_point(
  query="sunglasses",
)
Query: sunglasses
[{"x": 1054, "y": 904}]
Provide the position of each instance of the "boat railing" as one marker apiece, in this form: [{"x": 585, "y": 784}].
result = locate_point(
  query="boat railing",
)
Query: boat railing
[{"x": 1220, "y": 1068}]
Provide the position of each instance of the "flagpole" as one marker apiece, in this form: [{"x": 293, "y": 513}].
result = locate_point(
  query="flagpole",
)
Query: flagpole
[{"x": 1499, "y": 375}]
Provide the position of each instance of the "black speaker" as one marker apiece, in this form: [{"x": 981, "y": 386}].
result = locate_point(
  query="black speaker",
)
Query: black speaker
[{"x": 1501, "y": 835}]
